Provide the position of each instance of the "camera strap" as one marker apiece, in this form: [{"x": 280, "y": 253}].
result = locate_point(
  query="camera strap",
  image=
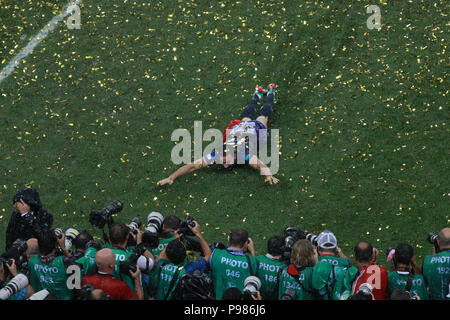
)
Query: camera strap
[
  {"x": 277, "y": 287},
  {"x": 250, "y": 265},
  {"x": 174, "y": 278},
  {"x": 172, "y": 283},
  {"x": 409, "y": 281},
  {"x": 333, "y": 282}
]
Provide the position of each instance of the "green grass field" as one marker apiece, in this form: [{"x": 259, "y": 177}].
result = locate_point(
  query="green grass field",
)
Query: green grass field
[{"x": 362, "y": 114}]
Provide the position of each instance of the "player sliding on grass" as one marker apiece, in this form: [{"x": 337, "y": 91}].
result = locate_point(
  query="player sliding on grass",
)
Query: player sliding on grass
[{"x": 235, "y": 135}]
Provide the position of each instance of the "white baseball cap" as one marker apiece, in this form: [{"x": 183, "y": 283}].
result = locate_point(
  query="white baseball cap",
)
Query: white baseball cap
[{"x": 327, "y": 240}]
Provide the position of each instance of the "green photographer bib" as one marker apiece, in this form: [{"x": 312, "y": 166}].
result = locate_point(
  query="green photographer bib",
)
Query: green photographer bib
[
  {"x": 122, "y": 255},
  {"x": 399, "y": 280},
  {"x": 436, "y": 271},
  {"x": 268, "y": 268},
  {"x": 336, "y": 261},
  {"x": 88, "y": 261},
  {"x": 302, "y": 285},
  {"x": 230, "y": 269},
  {"x": 166, "y": 281},
  {"x": 161, "y": 246},
  {"x": 51, "y": 276},
  {"x": 331, "y": 280}
]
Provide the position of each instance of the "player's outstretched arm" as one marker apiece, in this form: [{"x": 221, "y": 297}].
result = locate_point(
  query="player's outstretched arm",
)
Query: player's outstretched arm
[
  {"x": 257, "y": 164},
  {"x": 187, "y": 168}
]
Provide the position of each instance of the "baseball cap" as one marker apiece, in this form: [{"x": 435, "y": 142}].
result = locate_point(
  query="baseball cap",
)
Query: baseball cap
[{"x": 327, "y": 240}]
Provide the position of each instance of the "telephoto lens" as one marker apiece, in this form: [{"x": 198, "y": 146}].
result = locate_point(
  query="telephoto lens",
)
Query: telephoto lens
[
  {"x": 154, "y": 221},
  {"x": 99, "y": 218},
  {"x": 312, "y": 238},
  {"x": 134, "y": 225},
  {"x": 252, "y": 284},
  {"x": 40, "y": 295},
  {"x": 58, "y": 233},
  {"x": 365, "y": 288},
  {"x": 150, "y": 235},
  {"x": 432, "y": 237},
  {"x": 16, "y": 284},
  {"x": 71, "y": 235}
]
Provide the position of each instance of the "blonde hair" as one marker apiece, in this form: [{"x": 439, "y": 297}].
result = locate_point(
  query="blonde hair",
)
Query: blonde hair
[{"x": 302, "y": 254}]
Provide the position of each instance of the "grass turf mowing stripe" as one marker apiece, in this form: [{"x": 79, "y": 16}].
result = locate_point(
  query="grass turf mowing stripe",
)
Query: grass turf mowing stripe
[{"x": 42, "y": 34}]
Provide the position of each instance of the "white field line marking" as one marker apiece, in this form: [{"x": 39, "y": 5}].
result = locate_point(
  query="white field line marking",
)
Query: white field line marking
[{"x": 49, "y": 27}]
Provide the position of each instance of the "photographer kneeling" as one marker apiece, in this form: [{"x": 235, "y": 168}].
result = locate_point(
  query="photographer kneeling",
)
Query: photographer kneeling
[{"x": 171, "y": 264}]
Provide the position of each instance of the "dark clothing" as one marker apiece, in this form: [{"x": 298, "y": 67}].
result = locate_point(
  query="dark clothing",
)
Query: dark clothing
[
  {"x": 27, "y": 226},
  {"x": 265, "y": 110}
]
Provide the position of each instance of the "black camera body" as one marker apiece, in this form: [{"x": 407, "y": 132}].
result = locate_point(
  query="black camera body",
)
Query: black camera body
[
  {"x": 15, "y": 252},
  {"x": 289, "y": 294},
  {"x": 291, "y": 235},
  {"x": 84, "y": 293},
  {"x": 130, "y": 264},
  {"x": 99, "y": 218},
  {"x": 185, "y": 224}
]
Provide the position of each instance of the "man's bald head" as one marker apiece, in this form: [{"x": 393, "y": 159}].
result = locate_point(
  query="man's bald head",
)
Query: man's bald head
[
  {"x": 444, "y": 239},
  {"x": 105, "y": 260},
  {"x": 32, "y": 247},
  {"x": 363, "y": 251}
]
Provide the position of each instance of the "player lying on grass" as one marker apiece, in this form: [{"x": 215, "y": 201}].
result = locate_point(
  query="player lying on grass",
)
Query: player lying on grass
[{"x": 236, "y": 134}]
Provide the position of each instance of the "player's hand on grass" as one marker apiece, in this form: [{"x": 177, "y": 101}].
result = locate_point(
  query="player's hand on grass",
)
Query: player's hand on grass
[
  {"x": 164, "y": 182},
  {"x": 271, "y": 180}
]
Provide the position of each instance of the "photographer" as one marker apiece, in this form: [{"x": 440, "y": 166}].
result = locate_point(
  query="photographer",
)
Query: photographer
[
  {"x": 231, "y": 266},
  {"x": 167, "y": 233},
  {"x": 369, "y": 271},
  {"x": 436, "y": 267},
  {"x": 268, "y": 267},
  {"x": 171, "y": 264},
  {"x": 85, "y": 250},
  {"x": 104, "y": 280},
  {"x": 10, "y": 268},
  {"x": 298, "y": 275},
  {"x": 332, "y": 272},
  {"x": 28, "y": 218},
  {"x": 48, "y": 271},
  {"x": 119, "y": 234},
  {"x": 329, "y": 251},
  {"x": 405, "y": 275}
]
